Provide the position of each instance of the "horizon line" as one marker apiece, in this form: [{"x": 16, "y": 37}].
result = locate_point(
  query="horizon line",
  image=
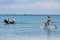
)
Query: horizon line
[{"x": 28, "y": 14}]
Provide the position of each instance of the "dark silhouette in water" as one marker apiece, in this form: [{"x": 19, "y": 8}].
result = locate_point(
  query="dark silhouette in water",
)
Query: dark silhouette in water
[
  {"x": 5, "y": 21},
  {"x": 49, "y": 20}
]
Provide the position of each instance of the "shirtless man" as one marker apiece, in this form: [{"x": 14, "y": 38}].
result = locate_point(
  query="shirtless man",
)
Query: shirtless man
[
  {"x": 49, "y": 20},
  {"x": 48, "y": 23}
]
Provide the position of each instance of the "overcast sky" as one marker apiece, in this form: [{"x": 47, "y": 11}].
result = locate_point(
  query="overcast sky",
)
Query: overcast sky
[{"x": 30, "y": 7}]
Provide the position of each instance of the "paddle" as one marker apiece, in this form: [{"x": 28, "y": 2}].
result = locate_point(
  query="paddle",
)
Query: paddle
[{"x": 54, "y": 25}]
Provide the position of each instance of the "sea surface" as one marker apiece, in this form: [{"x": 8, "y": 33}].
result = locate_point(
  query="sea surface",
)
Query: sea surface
[{"x": 29, "y": 28}]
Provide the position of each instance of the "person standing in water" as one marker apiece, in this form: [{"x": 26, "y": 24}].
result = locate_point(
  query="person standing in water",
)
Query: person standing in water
[
  {"x": 13, "y": 20},
  {"x": 49, "y": 20},
  {"x": 48, "y": 23},
  {"x": 8, "y": 20}
]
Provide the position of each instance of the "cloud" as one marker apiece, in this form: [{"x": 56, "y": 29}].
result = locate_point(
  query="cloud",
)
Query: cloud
[
  {"x": 9, "y": 2},
  {"x": 44, "y": 5},
  {"x": 35, "y": 7}
]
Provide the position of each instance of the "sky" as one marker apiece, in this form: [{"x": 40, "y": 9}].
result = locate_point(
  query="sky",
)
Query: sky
[{"x": 50, "y": 7}]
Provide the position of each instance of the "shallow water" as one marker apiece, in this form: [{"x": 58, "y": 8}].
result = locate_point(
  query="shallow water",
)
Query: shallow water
[{"x": 29, "y": 28}]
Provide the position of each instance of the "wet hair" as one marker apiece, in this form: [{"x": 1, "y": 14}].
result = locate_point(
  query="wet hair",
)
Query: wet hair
[{"x": 48, "y": 16}]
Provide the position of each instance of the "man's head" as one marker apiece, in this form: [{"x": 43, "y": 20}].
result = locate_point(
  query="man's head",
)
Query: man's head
[{"x": 48, "y": 16}]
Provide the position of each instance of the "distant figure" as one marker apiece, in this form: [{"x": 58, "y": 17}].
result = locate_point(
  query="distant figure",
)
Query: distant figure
[
  {"x": 13, "y": 20},
  {"x": 49, "y": 19},
  {"x": 47, "y": 23},
  {"x": 8, "y": 20}
]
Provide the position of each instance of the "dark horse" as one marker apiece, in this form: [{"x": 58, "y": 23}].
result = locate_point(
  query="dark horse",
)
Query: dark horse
[{"x": 5, "y": 21}]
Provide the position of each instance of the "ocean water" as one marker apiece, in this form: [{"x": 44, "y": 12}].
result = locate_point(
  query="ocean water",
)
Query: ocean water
[{"x": 29, "y": 28}]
